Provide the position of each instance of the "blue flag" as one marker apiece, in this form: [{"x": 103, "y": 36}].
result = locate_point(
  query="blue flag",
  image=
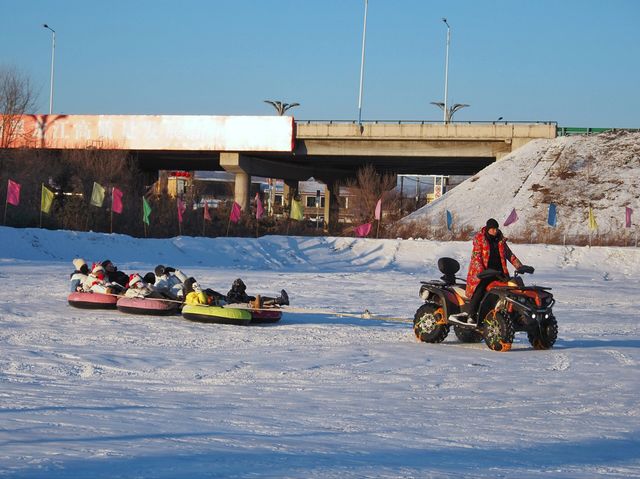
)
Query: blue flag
[
  {"x": 449, "y": 220},
  {"x": 551, "y": 219}
]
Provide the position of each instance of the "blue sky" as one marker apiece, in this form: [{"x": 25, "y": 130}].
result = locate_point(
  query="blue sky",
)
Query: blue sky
[{"x": 574, "y": 62}]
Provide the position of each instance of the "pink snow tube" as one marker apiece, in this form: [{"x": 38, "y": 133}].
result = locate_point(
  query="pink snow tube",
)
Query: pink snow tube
[
  {"x": 92, "y": 300},
  {"x": 150, "y": 306}
]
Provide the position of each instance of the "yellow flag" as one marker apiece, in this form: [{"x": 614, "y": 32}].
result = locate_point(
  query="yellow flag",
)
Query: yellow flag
[
  {"x": 592, "y": 220},
  {"x": 47, "y": 200},
  {"x": 97, "y": 195},
  {"x": 297, "y": 212}
]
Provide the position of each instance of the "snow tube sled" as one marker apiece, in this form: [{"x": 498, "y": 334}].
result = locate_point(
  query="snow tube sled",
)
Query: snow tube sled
[
  {"x": 92, "y": 300},
  {"x": 155, "y": 307},
  {"x": 260, "y": 316},
  {"x": 216, "y": 314}
]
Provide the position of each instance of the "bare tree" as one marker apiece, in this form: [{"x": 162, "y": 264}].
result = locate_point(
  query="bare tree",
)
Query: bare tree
[
  {"x": 371, "y": 186},
  {"x": 16, "y": 99}
]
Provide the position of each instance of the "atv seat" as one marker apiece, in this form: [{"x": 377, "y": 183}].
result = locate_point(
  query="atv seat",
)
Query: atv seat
[{"x": 448, "y": 267}]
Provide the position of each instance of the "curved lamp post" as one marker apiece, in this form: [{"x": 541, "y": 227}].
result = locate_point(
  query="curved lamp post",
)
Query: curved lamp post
[
  {"x": 448, "y": 113},
  {"x": 281, "y": 107}
]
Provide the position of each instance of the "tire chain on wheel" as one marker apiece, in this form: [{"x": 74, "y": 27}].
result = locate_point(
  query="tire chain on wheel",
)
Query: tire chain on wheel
[
  {"x": 439, "y": 328},
  {"x": 502, "y": 322}
]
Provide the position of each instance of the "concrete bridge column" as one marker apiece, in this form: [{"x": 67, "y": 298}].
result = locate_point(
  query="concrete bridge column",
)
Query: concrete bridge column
[{"x": 231, "y": 162}]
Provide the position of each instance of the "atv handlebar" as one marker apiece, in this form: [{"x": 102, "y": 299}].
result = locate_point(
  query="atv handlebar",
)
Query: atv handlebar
[{"x": 525, "y": 269}]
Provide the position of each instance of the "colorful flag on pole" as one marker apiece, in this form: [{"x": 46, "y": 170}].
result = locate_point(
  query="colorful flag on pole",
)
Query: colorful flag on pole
[
  {"x": 206, "y": 214},
  {"x": 97, "y": 195},
  {"x": 378, "y": 213},
  {"x": 297, "y": 212},
  {"x": 259, "y": 207},
  {"x": 182, "y": 207},
  {"x": 363, "y": 230},
  {"x": 13, "y": 193},
  {"x": 46, "y": 200},
  {"x": 449, "y": 220},
  {"x": 593, "y": 225},
  {"x": 512, "y": 218},
  {"x": 116, "y": 200},
  {"x": 236, "y": 212},
  {"x": 552, "y": 216},
  {"x": 146, "y": 211},
  {"x": 628, "y": 213}
]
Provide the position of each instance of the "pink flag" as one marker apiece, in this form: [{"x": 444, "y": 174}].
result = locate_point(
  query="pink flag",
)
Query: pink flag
[
  {"x": 181, "y": 209},
  {"x": 628, "y": 213},
  {"x": 236, "y": 212},
  {"x": 259, "y": 207},
  {"x": 513, "y": 217},
  {"x": 363, "y": 230},
  {"x": 378, "y": 214},
  {"x": 116, "y": 200},
  {"x": 13, "y": 193},
  {"x": 207, "y": 216}
]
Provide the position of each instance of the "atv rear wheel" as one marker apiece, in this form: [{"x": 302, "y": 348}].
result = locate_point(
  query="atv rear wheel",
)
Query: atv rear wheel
[
  {"x": 545, "y": 336},
  {"x": 430, "y": 324},
  {"x": 467, "y": 335},
  {"x": 498, "y": 331}
]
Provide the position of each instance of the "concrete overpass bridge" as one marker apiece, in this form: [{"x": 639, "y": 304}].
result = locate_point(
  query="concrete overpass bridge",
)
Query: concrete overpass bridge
[{"x": 279, "y": 147}]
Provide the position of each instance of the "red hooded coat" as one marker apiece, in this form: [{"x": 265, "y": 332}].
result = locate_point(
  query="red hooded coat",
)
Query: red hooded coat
[{"x": 480, "y": 259}]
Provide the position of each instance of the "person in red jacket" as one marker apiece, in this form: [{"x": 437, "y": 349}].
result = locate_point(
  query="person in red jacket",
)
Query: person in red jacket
[{"x": 490, "y": 251}]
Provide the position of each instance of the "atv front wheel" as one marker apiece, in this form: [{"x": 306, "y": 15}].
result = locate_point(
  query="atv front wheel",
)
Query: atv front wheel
[
  {"x": 467, "y": 335},
  {"x": 429, "y": 324},
  {"x": 498, "y": 331},
  {"x": 545, "y": 336}
]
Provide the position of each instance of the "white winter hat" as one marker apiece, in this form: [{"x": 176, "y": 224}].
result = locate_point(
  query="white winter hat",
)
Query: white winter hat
[{"x": 78, "y": 262}]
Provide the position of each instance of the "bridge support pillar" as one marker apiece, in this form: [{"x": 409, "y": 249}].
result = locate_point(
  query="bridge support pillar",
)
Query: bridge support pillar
[{"x": 232, "y": 162}]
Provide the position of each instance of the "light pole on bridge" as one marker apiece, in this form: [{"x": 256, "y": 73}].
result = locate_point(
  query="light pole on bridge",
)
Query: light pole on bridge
[{"x": 53, "y": 57}]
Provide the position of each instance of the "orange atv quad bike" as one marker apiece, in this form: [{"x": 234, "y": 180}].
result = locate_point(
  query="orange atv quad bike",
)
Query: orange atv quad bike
[{"x": 507, "y": 306}]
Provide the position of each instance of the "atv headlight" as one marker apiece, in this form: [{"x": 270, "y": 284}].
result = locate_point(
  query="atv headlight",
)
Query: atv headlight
[{"x": 533, "y": 315}]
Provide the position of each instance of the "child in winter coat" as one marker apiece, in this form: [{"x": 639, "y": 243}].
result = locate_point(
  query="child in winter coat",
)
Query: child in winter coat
[
  {"x": 79, "y": 275},
  {"x": 238, "y": 294},
  {"x": 139, "y": 288},
  {"x": 96, "y": 282},
  {"x": 193, "y": 294},
  {"x": 169, "y": 281}
]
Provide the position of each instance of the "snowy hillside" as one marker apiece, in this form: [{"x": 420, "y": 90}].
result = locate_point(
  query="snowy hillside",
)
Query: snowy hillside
[
  {"x": 573, "y": 172},
  {"x": 102, "y": 394}
]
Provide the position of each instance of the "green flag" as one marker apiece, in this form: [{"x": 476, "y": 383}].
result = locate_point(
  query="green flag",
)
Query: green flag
[
  {"x": 297, "y": 212},
  {"x": 146, "y": 211},
  {"x": 97, "y": 195},
  {"x": 47, "y": 200}
]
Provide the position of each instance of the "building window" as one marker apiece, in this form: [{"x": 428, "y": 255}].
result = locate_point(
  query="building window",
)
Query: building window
[
  {"x": 277, "y": 200},
  {"x": 311, "y": 201}
]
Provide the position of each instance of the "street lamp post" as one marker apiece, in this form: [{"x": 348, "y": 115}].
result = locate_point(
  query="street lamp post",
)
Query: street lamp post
[
  {"x": 53, "y": 57},
  {"x": 446, "y": 72},
  {"x": 364, "y": 39}
]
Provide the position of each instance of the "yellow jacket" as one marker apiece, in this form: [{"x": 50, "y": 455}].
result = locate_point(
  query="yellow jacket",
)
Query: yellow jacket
[{"x": 195, "y": 298}]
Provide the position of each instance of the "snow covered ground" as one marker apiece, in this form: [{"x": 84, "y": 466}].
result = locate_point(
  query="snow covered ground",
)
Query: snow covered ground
[{"x": 103, "y": 394}]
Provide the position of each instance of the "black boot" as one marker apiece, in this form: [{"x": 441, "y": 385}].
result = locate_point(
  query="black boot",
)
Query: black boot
[{"x": 283, "y": 299}]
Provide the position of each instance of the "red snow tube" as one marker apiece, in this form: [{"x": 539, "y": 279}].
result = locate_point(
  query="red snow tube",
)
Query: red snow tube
[
  {"x": 150, "y": 306},
  {"x": 265, "y": 316},
  {"x": 92, "y": 300}
]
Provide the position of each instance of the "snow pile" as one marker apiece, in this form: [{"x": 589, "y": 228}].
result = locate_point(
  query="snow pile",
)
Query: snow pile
[{"x": 572, "y": 172}]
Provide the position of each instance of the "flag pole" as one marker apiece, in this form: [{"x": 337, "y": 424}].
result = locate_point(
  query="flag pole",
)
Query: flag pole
[
  {"x": 6, "y": 203},
  {"x": 41, "y": 193},
  {"x": 204, "y": 222},
  {"x": 111, "y": 210},
  {"x": 378, "y": 228},
  {"x": 228, "y": 225}
]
